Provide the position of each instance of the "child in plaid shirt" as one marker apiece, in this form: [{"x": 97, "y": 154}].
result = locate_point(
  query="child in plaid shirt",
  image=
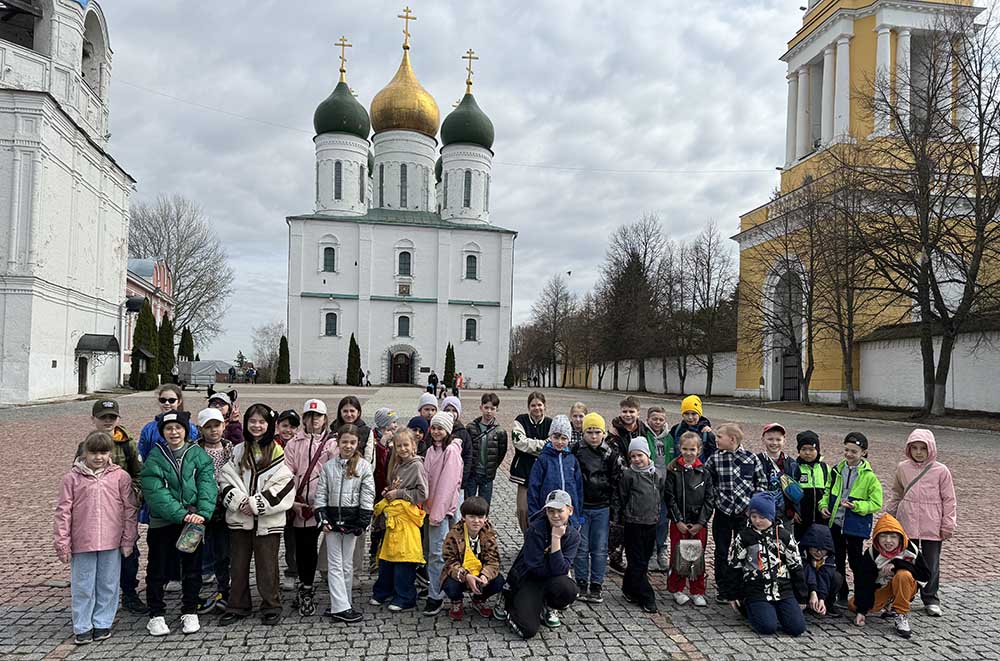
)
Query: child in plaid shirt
[{"x": 737, "y": 475}]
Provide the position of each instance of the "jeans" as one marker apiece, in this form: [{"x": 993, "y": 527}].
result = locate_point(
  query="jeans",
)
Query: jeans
[
  {"x": 396, "y": 581},
  {"x": 162, "y": 556},
  {"x": 591, "y": 562},
  {"x": 217, "y": 546},
  {"x": 454, "y": 590},
  {"x": 479, "y": 485},
  {"x": 340, "y": 569},
  {"x": 435, "y": 563},
  {"x": 130, "y": 573},
  {"x": 662, "y": 527},
  {"x": 766, "y": 617},
  {"x": 94, "y": 578}
]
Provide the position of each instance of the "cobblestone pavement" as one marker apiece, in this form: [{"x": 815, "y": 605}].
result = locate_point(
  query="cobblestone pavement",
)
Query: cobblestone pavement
[{"x": 37, "y": 444}]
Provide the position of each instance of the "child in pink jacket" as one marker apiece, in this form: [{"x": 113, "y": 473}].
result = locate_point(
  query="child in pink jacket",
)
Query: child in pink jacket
[
  {"x": 95, "y": 526},
  {"x": 922, "y": 498},
  {"x": 443, "y": 464}
]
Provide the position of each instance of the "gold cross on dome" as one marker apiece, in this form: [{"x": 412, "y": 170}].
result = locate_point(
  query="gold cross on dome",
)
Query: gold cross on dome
[
  {"x": 343, "y": 58},
  {"x": 407, "y": 16},
  {"x": 470, "y": 55}
]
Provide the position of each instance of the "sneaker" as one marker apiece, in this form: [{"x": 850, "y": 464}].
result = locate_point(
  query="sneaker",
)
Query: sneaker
[
  {"x": 422, "y": 578},
  {"x": 207, "y": 579},
  {"x": 903, "y": 625},
  {"x": 842, "y": 603},
  {"x": 628, "y": 598},
  {"x": 307, "y": 604},
  {"x": 581, "y": 591},
  {"x": 157, "y": 626},
  {"x": 102, "y": 634},
  {"x": 396, "y": 608},
  {"x": 499, "y": 612},
  {"x": 375, "y": 602},
  {"x": 550, "y": 618},
  {"x": 680, "y": 598},
  {"x": 516, "y": 629},
  {"x": 457, "y": 610},
  {"x": 133, "y": 604},
  {"x": 208, "y": 605},
  {"x": 617, "y": 563},
  {"x": 172, "y": 586},
  {"x": 83, "y": 638},
  {"x": 422, "y": 594},
  {"x": 483, "y": 608},
  {"x": 699, "y": 600},
  {"x": 663, "y": 559},
  {"x": 596, "y": 594},
  {"x": 350, "y": 616},
  {"x": 190, "y": 623},
  {"x": 934, "y": 610},
  {"x": 650, "y": 608},
  {"x": 719, "y": 599},
  {"x": 289, "y": 583},
  {"x": 433, "y": 606},
  {"x": 271, "y": 619},
  {"x": 230, "y": 618}
]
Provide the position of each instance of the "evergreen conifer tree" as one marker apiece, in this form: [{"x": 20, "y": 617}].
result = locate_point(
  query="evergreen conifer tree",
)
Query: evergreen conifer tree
[
  {"x": 284, "y": 372},
  {"x": 165, "y": 353},
  {"x": 353, "y": 363},
  {"x": 508, "y": 379},
  {"x": 145, "y": 337},
  {"x": 449, "y": 366}
]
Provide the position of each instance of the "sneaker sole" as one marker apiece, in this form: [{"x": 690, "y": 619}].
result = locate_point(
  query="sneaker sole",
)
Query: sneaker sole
[{"x": 97, "y": 638}]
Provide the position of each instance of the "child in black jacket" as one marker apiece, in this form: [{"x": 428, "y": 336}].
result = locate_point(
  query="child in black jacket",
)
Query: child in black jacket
[
  {"x": 820, "y": 566},
  {"x": 690, "y": 499}
]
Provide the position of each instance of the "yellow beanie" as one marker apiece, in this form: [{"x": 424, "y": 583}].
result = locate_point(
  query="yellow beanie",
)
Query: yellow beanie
[
  {"x": 691, "y": 403},
  {"x": 592, "y": 420}
]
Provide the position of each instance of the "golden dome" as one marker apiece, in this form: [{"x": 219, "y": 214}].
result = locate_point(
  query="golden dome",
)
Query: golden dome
[{"x": 404, "y": 104}]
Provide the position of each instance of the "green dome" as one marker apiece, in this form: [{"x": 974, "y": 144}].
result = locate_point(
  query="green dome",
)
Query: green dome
[
  {"x": 341, "y": 113},
  {"x": 467, "y": 123},
  {"x": 438, "y": 166}
]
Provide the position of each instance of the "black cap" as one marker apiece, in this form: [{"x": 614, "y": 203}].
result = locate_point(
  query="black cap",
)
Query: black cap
[
  {"x": 858, "y": 439},
  {"x": 183, "y": 418},
  {"x": 291, "y": 415},
  {"x": 104, "y": 407},
  {"x": 807, "y": 437}
]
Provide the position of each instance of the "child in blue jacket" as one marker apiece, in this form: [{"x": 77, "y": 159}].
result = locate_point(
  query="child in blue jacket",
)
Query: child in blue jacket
[{"x": 556, "y": 468}]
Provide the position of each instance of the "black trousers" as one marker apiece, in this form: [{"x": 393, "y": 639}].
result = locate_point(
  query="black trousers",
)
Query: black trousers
[
  {"x": 306, "y": 553},
  {"x": 931, "y": 550},
  {"x": 532, "y": 595},
  {"x": 640, "y": 543},
  {"x": 848, "y": 549},
  {"x": 161, "y": 554},
  {"x": 724, "y": 526}
]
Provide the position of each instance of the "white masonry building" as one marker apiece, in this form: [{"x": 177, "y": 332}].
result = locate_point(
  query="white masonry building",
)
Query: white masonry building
[
  {"x": 400, "y": 250},
  {"x": 63, "y": 204}
]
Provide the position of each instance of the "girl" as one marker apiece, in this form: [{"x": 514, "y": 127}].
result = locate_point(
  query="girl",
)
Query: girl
[
  {"x": 95, "y": 520},
  {"x": 923, "y": 500},
  {"x": 178, "y": 484},
  {"x": 170, "y": 398},
  {"x": 345, "y": 496},
  {"x": 258, "y": 490},
  {"x": 349, "y": 413},
  {"x": 530, "y": 433},
  {"x": 305, "y": 455},
  {"x": 401, "y": 552},
  {"x": 453, "y": 405},
  {"x": 286, "y": 429},
  {"x": 211, "y": 425},
  {"x": 444, "y": 479},
  {"x": 226, "y": 404},
  {"x": 690, "y": 498},
  {"x": 576, "y": 414},
  {"x": 386, "y": 423}
]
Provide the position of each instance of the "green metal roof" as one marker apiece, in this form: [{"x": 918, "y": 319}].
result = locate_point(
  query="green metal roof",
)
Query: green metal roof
[
  {"x": 404, "y": 218},
  {"x": 341, "y": 113},
  {"x": 467, "y": 124}
]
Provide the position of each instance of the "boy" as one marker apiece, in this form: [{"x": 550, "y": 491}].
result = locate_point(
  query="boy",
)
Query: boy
[
  {"x": 600, "y": 470},
  {"x": 853, "y": 497},
  {"x": 822, "y": 579},
  {"x": 427, "y": 406},
  {"x": 211, "y": 438},
  {"x": 813, "y": 477},
  {"x": 488, "y": 441},
  {"x": 661, "y": 448},
  {"x": 765, "y": 573},
  {"x": 105, "y": 415},
  {"x": 690, "y": 497},
  {"x": 386, "y": 424},
  {"x": 693, "y": 420},
  {"x": 636, "y": 505},
  {"x": 776, "y": 464},
  {"x": 556, "y": 468},
  {"x": 887, "y": 575},
  {"x": 472, "y": 561},
  {"x": 538, "y": 583},
  {"x": 624, "y": 428},
  {"x": 736, "y": 475},
  {"x": 529, "y": 435}
]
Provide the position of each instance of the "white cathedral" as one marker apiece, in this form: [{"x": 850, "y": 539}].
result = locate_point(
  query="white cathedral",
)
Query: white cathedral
[{"x": 400, "y": 250}]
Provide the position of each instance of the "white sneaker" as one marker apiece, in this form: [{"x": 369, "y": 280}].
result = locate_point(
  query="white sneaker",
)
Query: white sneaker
[
  {"x": 934, "y": 610},
  {"x": 189, "y": 623},
  {"x": 289, "y": 584},
  {"x": 903, "y": 625},
  {"x": 172, "y": 586},
  {"x": 157, "y": 626},
  {"x": 680, "y": 598},
  {"x": 699, "y": 600}
]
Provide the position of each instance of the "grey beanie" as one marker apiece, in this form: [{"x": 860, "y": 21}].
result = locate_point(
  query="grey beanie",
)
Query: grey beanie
[
  {"x": 385, "y": 417},
  {"x": 561, "y": 426}
]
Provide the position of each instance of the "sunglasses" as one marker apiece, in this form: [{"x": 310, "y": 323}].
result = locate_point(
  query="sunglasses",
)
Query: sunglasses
[{"x": 167, "y": 400}]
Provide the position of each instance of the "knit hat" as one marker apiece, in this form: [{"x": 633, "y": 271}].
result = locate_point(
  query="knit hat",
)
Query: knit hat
[
  {"x": 561, "y": 426},
  {"x": 691, "y": 403},
  {"x": 594, "y": 421},
  {"x": 639, "y": 444},
  {"x": 314, "y": 406},
  {"x": 858, "y": 439},
  {"x": 183, "y": 418},
  {"x": 807, "y": 437},
  {"x": 452, "y": 401},
  {"x": 206, "y": 415},
  {"x": 427, "y": 399},
  {"x": 444, "y": 420},
  {"x": 762, "y": 504},
  {"x": 385, "y": 417},
  {"x": 419, "y": 423}
]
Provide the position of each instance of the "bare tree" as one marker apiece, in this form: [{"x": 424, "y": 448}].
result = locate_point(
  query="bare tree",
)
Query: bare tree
[
  {"x": 177, "y": 230},
  {"x": 550, "y": 314},
  {"x": 266, "y": 343},
  {"x": 714, "y": 281}
]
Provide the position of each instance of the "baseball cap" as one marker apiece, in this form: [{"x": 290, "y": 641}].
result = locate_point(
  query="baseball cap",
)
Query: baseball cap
[
  {"x": 773, "y": 426},
  {"x": 205, "y": 415},
  {"x": 105, "y": 407},
  {"x": 558, "y": 499},
  {"x": 221, "y": 396},
  {"x": 291, "y": 415},
  {"x": 314, "y": 406}
]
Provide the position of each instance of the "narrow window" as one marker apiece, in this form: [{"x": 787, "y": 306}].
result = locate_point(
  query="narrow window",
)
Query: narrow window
[
  {"x": 381, "y": 187},
  {"x": 470, "y": 330},
  {"x": 404, "y": 263},
  {"x": 361, "y": 185},
  {"x": 486, "y": 196},
  {"x": 338, "y": 180},
  {"x": 467, "y": 195},
  {"x": 404, "y": 326},
  {"x": 329, "y": 260},
  {"x": 445, "y": 190},
  {"x": 471, "y": 267},
  {"x": 402, "y": 186},
  {"x": 331, "y": 323}
]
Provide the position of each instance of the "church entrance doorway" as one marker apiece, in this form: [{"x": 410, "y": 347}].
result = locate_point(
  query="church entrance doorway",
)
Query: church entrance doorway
[
  {"x": 400, "y": 372},
  {"x": 81, "y": 366}
]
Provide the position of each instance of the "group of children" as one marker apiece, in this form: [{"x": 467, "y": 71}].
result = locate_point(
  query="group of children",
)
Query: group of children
[{"x": 639, "y": 498}]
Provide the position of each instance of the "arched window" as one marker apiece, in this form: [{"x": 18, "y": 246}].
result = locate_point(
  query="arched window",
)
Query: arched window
[
  {"x": 381, "y": 184},
  {"x": 471, "y": 267},
  {"x": 338, "y": 180},
  {"x": 404, "y": 263},
  {"x": 361, "y": 185},
  {"x": 403, "y": 326},
  {"x": 402, "y": 185},
  {"x": 331, "y": 323},
  {"x": 445, "y": 190},
  {"x": 470, "y": 330},
  {"x": 329, "y": 259},
  {"x": 467, "y": 194}
]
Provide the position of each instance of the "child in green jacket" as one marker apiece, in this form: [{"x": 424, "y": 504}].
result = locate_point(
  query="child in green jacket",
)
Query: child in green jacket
[{"x": 851, "y": 500}]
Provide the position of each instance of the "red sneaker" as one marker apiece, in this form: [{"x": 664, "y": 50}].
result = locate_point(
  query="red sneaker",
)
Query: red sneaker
[
  {"x": 456, "y": 612},
  {"x": 482, "y": 608}
]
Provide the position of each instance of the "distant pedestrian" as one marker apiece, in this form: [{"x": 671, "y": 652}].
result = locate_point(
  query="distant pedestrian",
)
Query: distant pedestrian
[
  {"x": 232, "y": 374},
  {"x": 432, "y": 382}
]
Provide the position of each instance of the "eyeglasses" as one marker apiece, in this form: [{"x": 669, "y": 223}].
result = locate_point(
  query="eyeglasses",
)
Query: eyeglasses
[{"x": 168, "y": 400}]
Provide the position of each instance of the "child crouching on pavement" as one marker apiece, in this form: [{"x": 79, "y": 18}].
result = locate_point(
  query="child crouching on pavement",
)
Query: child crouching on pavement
[
  {"x": 765, "y": 572},
  {"x": 820, "y": 567},
  {"x": 888, "y": 574},
  {"x": 472, "y": 561},
  {"x": 637, "y": 506},
  {"x": 95, "y": 526}
]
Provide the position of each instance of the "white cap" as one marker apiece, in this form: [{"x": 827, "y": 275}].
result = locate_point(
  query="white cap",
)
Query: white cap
[
  {"x": 222, "y": 397},
  {"x": 209, "y": 414},
  {"x": 314, "y": 406}
]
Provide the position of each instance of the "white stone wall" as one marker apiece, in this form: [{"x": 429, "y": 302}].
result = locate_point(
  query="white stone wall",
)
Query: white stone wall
[
  {"x": 891, "y": 373},
  {"x": 456, "y": 160},
  {"x": 352, "y": 154},
  {"x": 723, "y": 376},
  {"x": 417, "y": 152}
]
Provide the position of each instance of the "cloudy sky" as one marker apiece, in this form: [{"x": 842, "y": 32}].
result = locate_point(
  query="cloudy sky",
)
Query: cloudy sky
[{"x": 603, "y": 112}]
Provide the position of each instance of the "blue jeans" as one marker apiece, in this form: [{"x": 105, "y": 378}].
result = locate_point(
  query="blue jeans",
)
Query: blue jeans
[
  {"x": 766, "y": 616},
  {"x": 478, "y": 485},
  {"x": 662, "y": 527},
  {"x": 94, "y": 578},
  {"x": 396, "y": 581},
  {"x": 130, "y": 573},
  {"x": 435, "y": 561},
  {"x": 454, "y": 590},
  {"x": 592, "y": 554}
]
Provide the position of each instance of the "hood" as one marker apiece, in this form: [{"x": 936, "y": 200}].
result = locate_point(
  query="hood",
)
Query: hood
[
  {"x": 550, "y": 450},
  {"x": 679, "y": 464},
  {"x": 922, "y": 436},
  {"x": 818, "y": 536},
  {"x": 888, "y": 523},
  {"x": 80, "y": 467}
]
